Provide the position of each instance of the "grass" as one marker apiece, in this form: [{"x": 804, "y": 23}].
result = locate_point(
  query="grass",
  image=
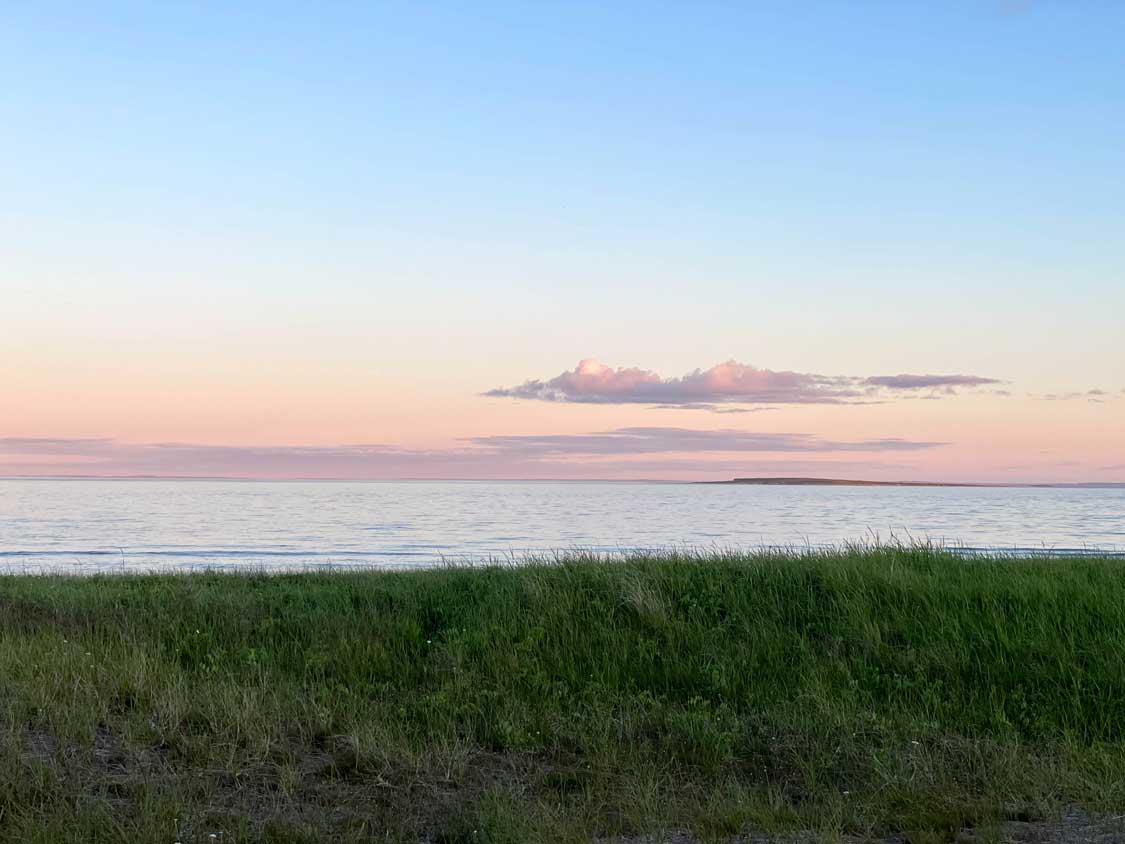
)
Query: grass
[{"x": 865, "y": 692}]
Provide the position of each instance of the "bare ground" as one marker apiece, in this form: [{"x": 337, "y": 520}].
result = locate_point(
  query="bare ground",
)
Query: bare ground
[
  {"x": 327, "y": 788},
  {"x": 1075, "y": 826}
]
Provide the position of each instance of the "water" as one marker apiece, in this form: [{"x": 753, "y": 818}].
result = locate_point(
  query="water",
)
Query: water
[{"x": 114, "y": 525}]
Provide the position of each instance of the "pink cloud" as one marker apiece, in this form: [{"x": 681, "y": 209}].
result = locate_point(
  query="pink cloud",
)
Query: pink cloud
[{"x": 592, "y": 382}]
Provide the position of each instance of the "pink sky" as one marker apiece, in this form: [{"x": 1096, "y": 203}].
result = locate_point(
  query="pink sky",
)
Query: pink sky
[
  {"x": 590, "y": 421},
  {"x": 604, "y": 241}
]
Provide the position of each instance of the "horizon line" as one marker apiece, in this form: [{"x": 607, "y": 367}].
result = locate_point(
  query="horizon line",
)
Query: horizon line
[{"x": 727, "y": 481}]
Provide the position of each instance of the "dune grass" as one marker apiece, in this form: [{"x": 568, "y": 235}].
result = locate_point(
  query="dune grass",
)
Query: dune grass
[{"x": 864, "y": 692}]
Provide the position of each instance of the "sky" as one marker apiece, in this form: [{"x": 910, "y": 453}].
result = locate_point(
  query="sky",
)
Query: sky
[{"x": 690, "y": 240}]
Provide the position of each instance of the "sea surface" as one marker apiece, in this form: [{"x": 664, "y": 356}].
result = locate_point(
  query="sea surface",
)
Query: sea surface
[{"x": 95, "y": 525}]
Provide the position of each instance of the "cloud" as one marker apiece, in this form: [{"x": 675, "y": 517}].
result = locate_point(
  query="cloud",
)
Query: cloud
[
  {"x": 592, "y": 382},
  {"x": 1097, "y": 396},
  {"x": 110, "y": 457},
  {"x": 53, "y": 446},
  {"x": 641, "y": 440},
  {"x": 714, "y": 408},
  {"x": 727, "y": 467},
  {"x": 924, "y": 382},
  {"x": 531, "y": 456}
]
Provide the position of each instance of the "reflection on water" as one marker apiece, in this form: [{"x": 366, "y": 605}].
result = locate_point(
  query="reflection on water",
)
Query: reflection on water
[{"x": 97, "y": 525}]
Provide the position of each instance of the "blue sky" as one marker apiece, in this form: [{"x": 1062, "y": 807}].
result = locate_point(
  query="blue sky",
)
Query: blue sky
[{"x": 497, "y": 190}]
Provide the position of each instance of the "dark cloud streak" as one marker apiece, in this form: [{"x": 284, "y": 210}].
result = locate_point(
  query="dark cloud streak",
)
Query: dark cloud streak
[
  {"x": 558, "y": 455},
  {"x": 927, "y": 382},
  {"x": 642, "y": 440}
]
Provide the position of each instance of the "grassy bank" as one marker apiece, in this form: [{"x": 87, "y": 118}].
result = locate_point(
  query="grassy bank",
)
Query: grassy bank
[{"x": 896, "y": 691}]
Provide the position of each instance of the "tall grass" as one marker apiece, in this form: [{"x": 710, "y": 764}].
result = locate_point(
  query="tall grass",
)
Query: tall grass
[{"x": 865, "y": 691}]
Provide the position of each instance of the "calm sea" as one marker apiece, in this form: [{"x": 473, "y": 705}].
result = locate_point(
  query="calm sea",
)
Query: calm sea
[{"x": 86, "y": 525}]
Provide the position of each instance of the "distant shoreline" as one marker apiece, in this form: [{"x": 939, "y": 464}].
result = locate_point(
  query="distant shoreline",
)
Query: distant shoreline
[
  {"x": 838, "y": 482},
  {"x": 770, "y": 481},
  {"x": 783, "y": 481}
]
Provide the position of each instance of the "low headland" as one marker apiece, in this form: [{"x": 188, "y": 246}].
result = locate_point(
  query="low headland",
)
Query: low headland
[
  {"x": 798, "y": 481},
  {"x": 788, "y": 481},
  {"x": 901, "y": 694}
]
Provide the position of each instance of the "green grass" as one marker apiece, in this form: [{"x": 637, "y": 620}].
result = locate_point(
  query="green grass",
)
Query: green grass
[{"x": 867, "y": 692}]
